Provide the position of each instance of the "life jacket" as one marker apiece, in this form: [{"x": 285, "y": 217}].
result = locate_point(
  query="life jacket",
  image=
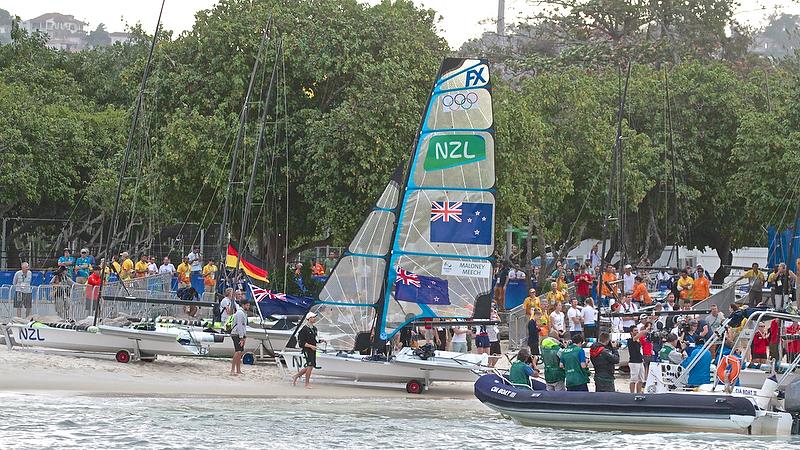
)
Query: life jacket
[
  {"x": 553, "y": 373},
  {"x": 517, "y": 375},
  {"x": 575, "y": 374}
]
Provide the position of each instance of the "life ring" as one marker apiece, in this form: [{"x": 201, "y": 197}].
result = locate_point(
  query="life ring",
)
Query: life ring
[{"x": 728, "y": 369}]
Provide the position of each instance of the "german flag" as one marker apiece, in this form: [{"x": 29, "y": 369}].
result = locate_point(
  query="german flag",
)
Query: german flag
[{"x": 252, "y": 266}]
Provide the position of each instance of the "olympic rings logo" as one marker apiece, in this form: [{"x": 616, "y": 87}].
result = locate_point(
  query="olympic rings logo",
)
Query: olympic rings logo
[{"x": 459, "y": 101}]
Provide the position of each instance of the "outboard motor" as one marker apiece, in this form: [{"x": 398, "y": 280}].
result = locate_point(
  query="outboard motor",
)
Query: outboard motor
[{"x": 791, "y": 403}]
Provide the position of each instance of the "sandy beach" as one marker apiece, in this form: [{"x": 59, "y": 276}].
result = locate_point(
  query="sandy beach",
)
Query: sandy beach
[{"x": 25, "y": 370}]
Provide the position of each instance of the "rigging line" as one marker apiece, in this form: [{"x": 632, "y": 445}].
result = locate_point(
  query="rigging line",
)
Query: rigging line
[
  {"x": 115, "y": 214},
  {"x": 286, "y": 156},
  {"x": 785, "y": 197}
]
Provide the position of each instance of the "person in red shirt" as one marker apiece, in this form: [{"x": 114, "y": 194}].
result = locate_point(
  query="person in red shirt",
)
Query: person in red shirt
[
  {"x": 774, "y": 336},
  {"x": 793, "y": 343},
  {"x": 759, "y": 347},
  {"x": 92, "y": 289},
  {"x": 647, "y": 347},
  {"x": 583, "y": 282}
]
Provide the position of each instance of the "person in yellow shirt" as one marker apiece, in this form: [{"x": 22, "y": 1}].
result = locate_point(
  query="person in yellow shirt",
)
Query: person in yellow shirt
[
  {"x": 126, "y": 267},
  {"x": 141, "y": 266},
  {"x": 685, "y": 285},
  {"x": 554, "y": 297},
  {"x": 702, "y": 285},
  {"x": 210, "y": 275},
  {"x": 184, "y": 271},
  {"x": 531, "y": 303},
  {"x": 640, "y": 294}
]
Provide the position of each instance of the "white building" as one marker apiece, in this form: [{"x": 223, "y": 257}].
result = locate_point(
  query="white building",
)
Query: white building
[{"x": 64, "y": 32}]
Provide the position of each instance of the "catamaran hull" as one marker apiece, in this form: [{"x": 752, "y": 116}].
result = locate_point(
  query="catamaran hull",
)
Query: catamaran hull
[
  {"x": 357, "y": 368},
  {"x": 105, "y": 340},
  {"x": 607, "y": 411},
  {"x": 221, "y": 345}
]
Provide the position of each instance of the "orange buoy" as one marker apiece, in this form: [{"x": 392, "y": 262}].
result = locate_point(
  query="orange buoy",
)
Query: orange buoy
[{"x": 728, "y": 369}]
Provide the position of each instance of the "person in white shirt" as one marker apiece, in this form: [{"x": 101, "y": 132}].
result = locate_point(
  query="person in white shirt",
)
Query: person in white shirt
[
  {"x": 670, "y": 304},
  {"x": 575, "y": 318},
  {"x": 557, "y": 320},
  {"x": 589, "y": 314},
  {"x": 628, "y": 307},
  {"x": 166, "y": 266},
  {"x": 196, "y": 260},
  {"x": 23, "y": 291},
  {"x": 629, "y": 279},
  {"x": 152, "y": 267},
  {"x": 226, "y": 306},
  {"x": 459, "y": 339},
  {"x": 238, "y": 336}
]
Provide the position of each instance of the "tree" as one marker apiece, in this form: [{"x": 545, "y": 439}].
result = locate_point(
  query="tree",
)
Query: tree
[{"x": 99, "y": 37}]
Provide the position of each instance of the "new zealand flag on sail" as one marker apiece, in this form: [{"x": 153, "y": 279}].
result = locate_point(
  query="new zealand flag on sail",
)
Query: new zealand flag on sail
[
  {"x": 461, "y": 222},
  {"x": 414, "y": 288}
]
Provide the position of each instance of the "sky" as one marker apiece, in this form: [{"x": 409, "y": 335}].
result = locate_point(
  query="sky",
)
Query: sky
[{"x": 460, "y": 21}]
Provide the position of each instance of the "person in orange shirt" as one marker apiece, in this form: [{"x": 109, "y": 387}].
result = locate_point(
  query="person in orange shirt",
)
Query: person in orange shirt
[
  {"x": 318, "y": 269},
  {"x": 640, "y": 294},
  {"x": 609, "y": 279},
  {"x": 702, "y": 285}
]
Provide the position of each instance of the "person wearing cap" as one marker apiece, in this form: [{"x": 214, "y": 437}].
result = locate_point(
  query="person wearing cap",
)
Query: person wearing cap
[
  {"x": 239, "y": 336},
  {"x": 307, "y": 340},
  {"x": 702, "y": 285},
  {"x": 84, "y": 266},
  {"x": 67, "y": 261},
  {"x": 126, "y": 267},
  {"x": 628, "y": 279}
]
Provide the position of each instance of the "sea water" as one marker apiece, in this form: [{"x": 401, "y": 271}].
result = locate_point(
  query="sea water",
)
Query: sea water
[{"x": 50, "y": 420}]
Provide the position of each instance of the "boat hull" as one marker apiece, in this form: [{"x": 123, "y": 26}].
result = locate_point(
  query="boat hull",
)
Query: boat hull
[
  {"x": 221, "y": 345},
  {"x": 401, "y": 369},
  {"x": 607, "y": 411}
]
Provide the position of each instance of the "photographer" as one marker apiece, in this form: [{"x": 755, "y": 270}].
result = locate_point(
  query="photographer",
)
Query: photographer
[
  {"x": 604, "y": 357},
  {"x": 671, "y": 350},
  {"x": 521, "y": 370}
]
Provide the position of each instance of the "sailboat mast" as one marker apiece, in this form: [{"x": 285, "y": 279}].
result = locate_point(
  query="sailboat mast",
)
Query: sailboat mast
[
  {"x": 256, "y": 151},
  {"x": 125, "y": 159},
  {"x": 671, "y": 149}
]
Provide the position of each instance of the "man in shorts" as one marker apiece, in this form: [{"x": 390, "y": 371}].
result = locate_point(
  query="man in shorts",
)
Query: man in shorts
[
  {"x": 636, "y": 363},
  {"x": 238, "y": 336},
  {"x": 23, "y": 290},
  {"x": 307, "y": 341}
]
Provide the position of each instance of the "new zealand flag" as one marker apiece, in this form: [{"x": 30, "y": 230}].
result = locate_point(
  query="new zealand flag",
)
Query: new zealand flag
[
  {"x": 414, "y": 288},
  {"x": 461, "y": 223}
]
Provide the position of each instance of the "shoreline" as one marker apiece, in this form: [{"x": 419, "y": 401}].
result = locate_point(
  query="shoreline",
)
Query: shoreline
[{"x": 36, "y": 371}]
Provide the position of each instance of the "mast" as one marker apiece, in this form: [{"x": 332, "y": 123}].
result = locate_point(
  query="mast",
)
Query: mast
[
  {"x": 671, "y": 150},
  {"x": 224, "y": 234},
  {"x": 126, "y": 158},
  {"x": 616, "y": 165}
]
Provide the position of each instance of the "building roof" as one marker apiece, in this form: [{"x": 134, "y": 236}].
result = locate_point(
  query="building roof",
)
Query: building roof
[{"x": 57, "y": 17}]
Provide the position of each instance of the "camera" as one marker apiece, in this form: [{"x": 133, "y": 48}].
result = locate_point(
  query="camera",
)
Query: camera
[{"x": 657, "y": 337}]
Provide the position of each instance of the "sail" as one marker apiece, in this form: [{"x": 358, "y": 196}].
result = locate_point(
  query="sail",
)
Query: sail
[
  {"x": 446, "y": 217},
  {"x": 347, "y": 302}
]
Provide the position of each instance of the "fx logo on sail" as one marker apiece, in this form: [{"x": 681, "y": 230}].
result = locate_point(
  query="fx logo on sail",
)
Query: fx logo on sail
[{"x": 478, "y": 76}]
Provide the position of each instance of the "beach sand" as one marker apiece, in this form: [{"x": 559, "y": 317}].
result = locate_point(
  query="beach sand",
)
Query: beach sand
[{"x": 26, "y": 370}]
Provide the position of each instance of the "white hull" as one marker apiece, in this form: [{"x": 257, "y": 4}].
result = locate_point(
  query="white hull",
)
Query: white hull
[
  {"x": 755, "y": 378},
  {"x": 271, "y": 341},
  {"x": 405, "y": 367},
  {"x": 104, "y": 340}
]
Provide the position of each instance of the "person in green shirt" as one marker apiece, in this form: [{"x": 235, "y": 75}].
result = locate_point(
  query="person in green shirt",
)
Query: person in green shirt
[
  {"x": 669, "y": 353},
  {"x": 553, "y": 373},
  {"x": 573, "y": 361},
  {"x": 521, "y": 371}
]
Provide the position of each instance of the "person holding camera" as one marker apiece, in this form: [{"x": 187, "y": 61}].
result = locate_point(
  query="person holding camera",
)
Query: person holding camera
[
  {"x": 604, "y": 357},
  {"x": 671, "y": 350},
  {"x": 522, "y": 369}
]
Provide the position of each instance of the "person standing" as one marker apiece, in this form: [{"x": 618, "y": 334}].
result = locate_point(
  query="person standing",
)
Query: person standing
[
  {"x": 531, "y": 303},
  {"x": 23, "y": 292},
  {"x": 583, "y": 283},
  {"x": 780, "y": 280},
  {"x": 494, "y": 341},
  {"x": 210, "y": 276},
  {"x": 239, "y": 336},
  {"x": 184, "y": 273},
  {"x": 640, "y": 293},
  {"x": 307, "y": 341},
  {"x": 589, "y": 314},
  {"x": 554, "y": 297},
  {"x": 500, "y": 284},
  {"x": 604, "y": 357},
  {"x": 141, "y": 266},
  {"x": 460, "y": 339},
  {"x": 702, "y": 285},
  {"x": 557, "y": 321},
  {"x": 575, "y": 319},
  {"x": 636, "y": 363},
  {"x": 628, "y": 279},
  {"x": 83, "y": 266},
  {"x": 553, "y": 372},
  {"x": 195, "y": 260},
  {"x": 594, "y": 257},
  {"x": 126, "y": 267},
  {"x": 93, "y": 289},
  {"x": 67, "y": 261},
  {"x": 685, "y": 285},
  {"x": 533, "y": 333},
  {"x": 573, "y": 361},
  {"x": 227, "y": 306},
  {"x": 152, "y": 267},
  {"x": 166, "y": 266},
  {"x": 629, "y": 308},
  {"x": 608, "y": 287}
]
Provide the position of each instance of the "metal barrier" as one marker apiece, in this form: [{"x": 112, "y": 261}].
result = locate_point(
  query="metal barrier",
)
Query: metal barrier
[{"x": 517, "y": 328}]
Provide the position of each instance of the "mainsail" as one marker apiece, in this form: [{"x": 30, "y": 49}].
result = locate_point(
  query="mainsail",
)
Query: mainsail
[{"x": 436, "y": 223}]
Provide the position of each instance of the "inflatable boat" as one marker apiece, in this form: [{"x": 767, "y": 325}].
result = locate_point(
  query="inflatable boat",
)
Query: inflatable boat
[{"x": 616, "y": 411}]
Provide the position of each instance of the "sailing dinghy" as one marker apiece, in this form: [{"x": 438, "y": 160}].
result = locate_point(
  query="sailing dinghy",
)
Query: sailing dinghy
[{"x": 423, "y": 252}]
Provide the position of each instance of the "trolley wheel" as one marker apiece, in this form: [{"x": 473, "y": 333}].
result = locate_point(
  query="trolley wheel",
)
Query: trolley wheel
[
  {"x": 414, "y": 387},
  {"x": 249, "y": 359},
  {"x": 123, "y": 356}
]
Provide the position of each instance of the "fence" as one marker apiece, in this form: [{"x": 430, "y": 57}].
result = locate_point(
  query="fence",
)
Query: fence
[{"x": 148, "y": 297}]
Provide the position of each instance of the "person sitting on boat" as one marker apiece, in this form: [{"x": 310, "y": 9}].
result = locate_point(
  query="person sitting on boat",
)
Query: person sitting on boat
[
  {"x": 522, "y": 369},
  {"x": 604, "y": 357},
  {"x": 573, "y": 361},
  {"x": 701, "y": 372},
  {"x": 670, "y": 352},
  {"x": 553, "y": 373}
]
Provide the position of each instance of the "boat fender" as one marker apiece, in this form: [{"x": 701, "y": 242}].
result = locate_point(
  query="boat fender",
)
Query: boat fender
[
  {"x": 93, "y": 329},
  {"x": 728, "y": 369},
  {"x": 791, "y": 398}
]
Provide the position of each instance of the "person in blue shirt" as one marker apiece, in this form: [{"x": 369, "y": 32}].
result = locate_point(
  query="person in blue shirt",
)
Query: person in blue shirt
[
  {"x": 67, "y": 261},
  {"x": 701, "y": 372},
  {"x": 83, "y": 266}
]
